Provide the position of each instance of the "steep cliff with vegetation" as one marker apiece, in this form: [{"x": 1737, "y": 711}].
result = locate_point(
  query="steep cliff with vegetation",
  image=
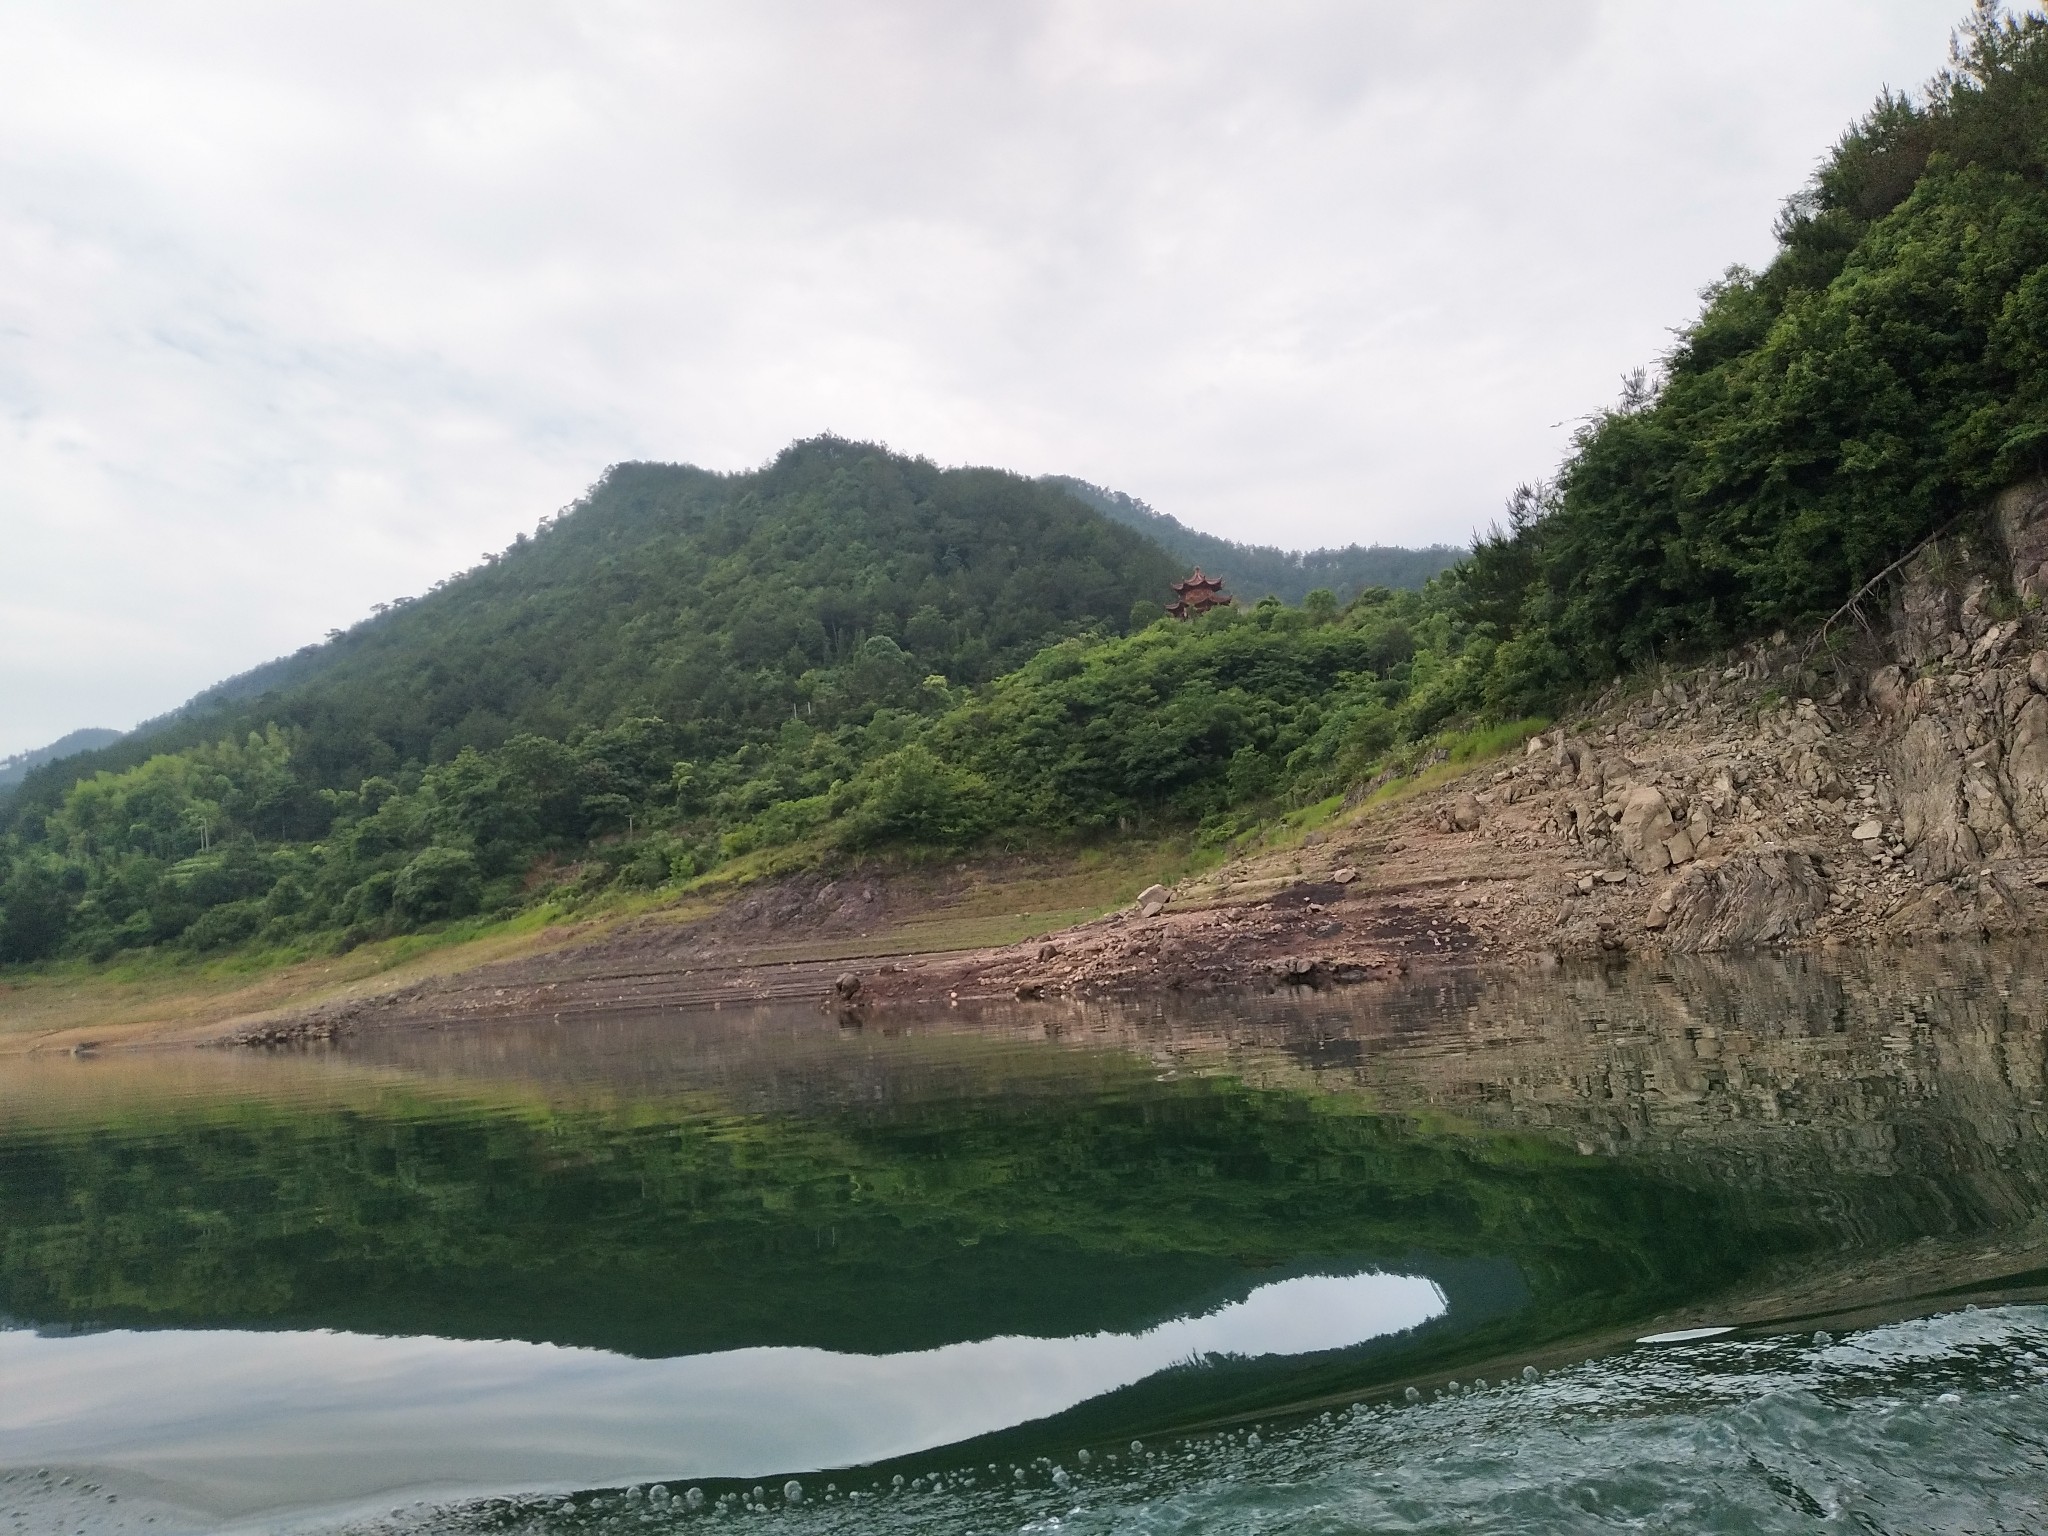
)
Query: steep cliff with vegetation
[
  {"x": 1880, "y": 378},
  {"x": 850, "y": 651}
]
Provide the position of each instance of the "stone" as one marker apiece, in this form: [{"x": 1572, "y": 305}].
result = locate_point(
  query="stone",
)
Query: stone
[
  {"x": 2026, "y": 770},
  {"x": 1764, "y": 897},
  {"x": 1585, "y": 886},
  {"x": 1659, "y": 914},
  {"x": 1536, "y": 747},
  {"x": 1614, "y": 876},
  {"x": 1152, "y": 900},
  {"x": 2037, "y": 671},
  {"x": 1810, "y": 768},
  {"x": 2023, "y": 524},
  {"x": 1923, "y": 620},
  {"x": 1152, "y": 909},
  {"x": 1927, "y": 768},
  {"x": 1645, "y": 827},
  {"x": 1868, "y": 829},
  {"x": 1578, "y": 761},
  {"x": 847, "y": 986},
  {"x": 1974, "y": 615},
  {"x": 1465, "y": 812},
  {"x": 1679, "y": 846},
  {"x": 1888, "y": 694},
  {"x": 1344, "y": 876}
]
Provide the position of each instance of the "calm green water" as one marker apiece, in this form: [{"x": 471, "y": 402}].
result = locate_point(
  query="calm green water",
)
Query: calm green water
[{"x": 1201, "y": 1266}]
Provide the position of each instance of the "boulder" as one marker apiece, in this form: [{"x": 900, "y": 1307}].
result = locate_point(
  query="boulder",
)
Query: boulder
[
  {"x": 1152, "y": 900},
  {"x": 847, "y": 986},
  {"x": 1645, "y": 828},
  {"x": 1887, "y": 691},
  {"x": 1344, "y": 876},
  {"x": 1752, "y": 899},
  {"x": 1465, "y": 813},
  {"x": 1578, "y": 761},
  {"x": 1659, "y": 914}
]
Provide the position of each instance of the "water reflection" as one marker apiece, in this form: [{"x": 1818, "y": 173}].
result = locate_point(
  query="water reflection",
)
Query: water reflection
[
  {"x": 239, "y": 1422},
  {"x": 1030, "y": 1202}
]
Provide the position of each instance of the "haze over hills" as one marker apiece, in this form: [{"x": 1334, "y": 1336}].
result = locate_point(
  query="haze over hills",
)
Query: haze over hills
[
  {"x": 1260, "y": 570},
  {"x": 16, "y": 768}
]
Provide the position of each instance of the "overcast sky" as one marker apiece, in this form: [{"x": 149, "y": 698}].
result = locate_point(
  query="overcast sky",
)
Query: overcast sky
[{"x": 303, "y": 307}]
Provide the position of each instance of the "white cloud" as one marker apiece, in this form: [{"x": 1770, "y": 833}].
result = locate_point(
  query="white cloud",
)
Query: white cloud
[{"x": 303, "y": 307}]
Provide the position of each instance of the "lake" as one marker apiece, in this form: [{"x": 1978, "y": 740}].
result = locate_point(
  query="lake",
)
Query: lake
[{"x": 1716, "y": 1245}]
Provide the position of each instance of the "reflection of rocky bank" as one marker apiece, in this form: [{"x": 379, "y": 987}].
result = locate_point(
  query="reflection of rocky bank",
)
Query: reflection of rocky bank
[
  {"x": 1875, "y": 1061},
  {"x": 1892, "y": 1106}
]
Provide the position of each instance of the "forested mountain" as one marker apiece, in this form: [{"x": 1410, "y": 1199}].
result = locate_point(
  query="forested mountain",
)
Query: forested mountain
[
  {"x": 837, "y": 579},
  {"x": 16, "y": 768},
  {"x": 1263, "y": 570},
  {"x": 849, "y": 650}
]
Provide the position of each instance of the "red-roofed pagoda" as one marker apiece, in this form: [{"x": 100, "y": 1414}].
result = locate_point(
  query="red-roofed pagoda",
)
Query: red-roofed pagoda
[{"x": 1198, "y": 594}]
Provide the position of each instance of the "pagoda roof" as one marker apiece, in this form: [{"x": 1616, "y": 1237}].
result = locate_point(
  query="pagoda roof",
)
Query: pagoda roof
[{"x": 1198, "y": 580}]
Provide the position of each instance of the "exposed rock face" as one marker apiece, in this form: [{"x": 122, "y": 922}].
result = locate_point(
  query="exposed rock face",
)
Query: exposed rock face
[
  {"x": 1970, "y": 757},
  {"x": 1925, "y": 615},
  {"x": 1928, "y": 772},
  {"x": 2023, "y": 524},
  {"x": 1770, "y": 897},
  {"x": 1646, "y": 829}
]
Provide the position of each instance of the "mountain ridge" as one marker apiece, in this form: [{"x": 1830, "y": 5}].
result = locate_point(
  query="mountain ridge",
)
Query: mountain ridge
[
  {"x": 1253, "y": 571},
  {"x": 86, "y": 739}
]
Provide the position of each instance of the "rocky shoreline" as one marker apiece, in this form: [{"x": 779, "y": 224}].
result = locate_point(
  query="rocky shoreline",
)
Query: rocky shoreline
[{"x": 1889, "y": 790}]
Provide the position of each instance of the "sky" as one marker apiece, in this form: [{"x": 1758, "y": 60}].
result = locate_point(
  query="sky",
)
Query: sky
[{"x": 305, "y": 307}]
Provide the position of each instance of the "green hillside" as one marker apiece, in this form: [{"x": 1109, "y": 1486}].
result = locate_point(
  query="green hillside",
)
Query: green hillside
[
  {"x": 835, "y": 581},
  {"x": 849, "y": 650},
  {"x": 1262, "y": 570},
  {"x": 1887, "y": 371}
]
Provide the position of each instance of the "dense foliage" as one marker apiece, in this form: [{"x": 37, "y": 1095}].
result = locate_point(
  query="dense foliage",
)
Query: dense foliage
[
  {"x": 218, "y": 844},
  {"x": 1882, "y": 375},
  {"x": 1262, "y": 570}
]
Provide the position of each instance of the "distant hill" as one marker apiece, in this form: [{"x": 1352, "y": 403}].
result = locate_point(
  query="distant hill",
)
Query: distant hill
[
  {"x": 825, "y": 584},
  {"x": 1254, "y": 570},
  {"x": 16, "y": 768}
]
